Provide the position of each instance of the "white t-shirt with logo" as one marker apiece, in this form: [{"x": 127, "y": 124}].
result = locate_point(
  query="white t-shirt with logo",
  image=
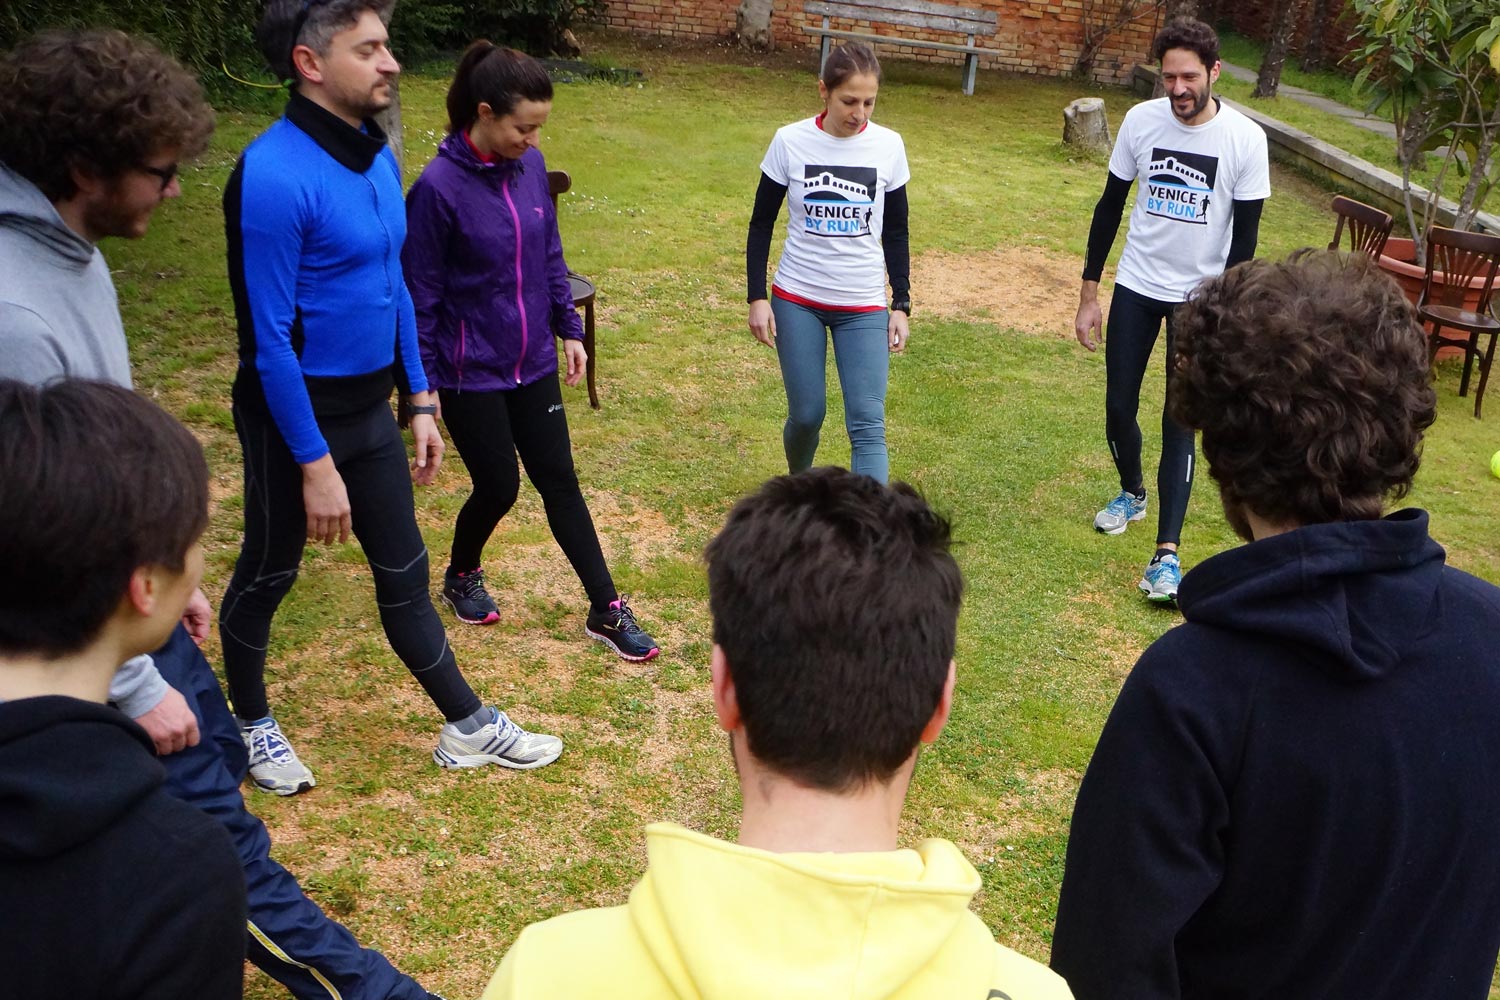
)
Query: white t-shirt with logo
[
  {"x": 836, "y": 196},
  {"x": 1189, "y": 177}
]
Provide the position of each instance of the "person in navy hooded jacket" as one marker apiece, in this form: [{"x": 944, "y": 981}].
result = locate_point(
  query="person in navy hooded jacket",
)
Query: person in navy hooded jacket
[
  {"x": 484, "y": 263},
  {"x": 1296, "y": 793}
]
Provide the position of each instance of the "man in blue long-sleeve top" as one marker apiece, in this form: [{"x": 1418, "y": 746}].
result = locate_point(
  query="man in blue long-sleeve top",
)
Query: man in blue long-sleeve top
[{"x": 314, "y": 218}]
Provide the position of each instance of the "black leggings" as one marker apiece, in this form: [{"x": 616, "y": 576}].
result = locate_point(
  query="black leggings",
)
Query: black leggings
[
  {"x": 488, "y": 429},
  {"x": 371, "y": 457},
  {"x": 1134, "y": 322}
]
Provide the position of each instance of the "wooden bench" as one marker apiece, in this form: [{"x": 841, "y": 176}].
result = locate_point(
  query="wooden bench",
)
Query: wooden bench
[{"x": 970, "y": 21}]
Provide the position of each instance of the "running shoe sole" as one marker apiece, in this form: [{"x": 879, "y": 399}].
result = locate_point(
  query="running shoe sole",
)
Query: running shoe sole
[
  {"x": 1154, "y": 597},
  {"x": 488, "y": 619},
  {"x": 449, "y": 761},
  {"x": 281, "y": 789},
  {"x": 1121, "y": 529},
  {"x": 655, "y": 650}
]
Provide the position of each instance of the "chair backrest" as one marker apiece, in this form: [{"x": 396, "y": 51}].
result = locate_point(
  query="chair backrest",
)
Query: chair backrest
[
  {"x": 1461, "y": 257},
  {"x": 1369, "y": 227},
  {"x": 558, "y": 183}
]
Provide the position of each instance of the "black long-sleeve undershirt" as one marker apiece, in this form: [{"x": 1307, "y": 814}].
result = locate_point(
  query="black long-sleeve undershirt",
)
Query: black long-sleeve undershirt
[
  {"x": 895, "y": 240},
  {"x": 1244, "y": 231}
]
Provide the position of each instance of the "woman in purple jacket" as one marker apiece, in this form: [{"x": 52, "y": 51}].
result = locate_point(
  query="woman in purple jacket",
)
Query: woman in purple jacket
[{"x": 484, "y": 263}]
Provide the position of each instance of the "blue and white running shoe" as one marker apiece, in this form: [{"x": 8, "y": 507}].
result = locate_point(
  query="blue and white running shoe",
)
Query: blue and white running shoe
[
  {"x": 1120, "y": 511},
  {"x": 1161, "y": 580},
  {"x": 274, "y": 765}
]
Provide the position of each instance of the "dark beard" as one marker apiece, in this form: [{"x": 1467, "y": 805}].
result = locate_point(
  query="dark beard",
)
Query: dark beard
[{"x": 1198, "y": 106}]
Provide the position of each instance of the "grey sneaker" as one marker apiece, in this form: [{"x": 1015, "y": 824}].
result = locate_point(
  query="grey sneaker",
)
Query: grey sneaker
[
  {"x": 274, "y": 766},
  {"x": 1119, "y": 512},
  {"x": 1160, "y": 581},
  {"x": 501, "y": 742}
]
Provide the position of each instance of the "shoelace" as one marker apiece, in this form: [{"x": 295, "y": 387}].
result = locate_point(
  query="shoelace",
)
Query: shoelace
[
  {"x": 625, "y": 619},
  {"x": 1120, "y": 504},
  {"x": 269, "y": 742},
  {"x": 473, "y": 584}
]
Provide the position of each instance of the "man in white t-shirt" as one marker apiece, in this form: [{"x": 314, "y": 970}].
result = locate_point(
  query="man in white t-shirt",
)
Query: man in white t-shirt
[{"x": 1204, "y": 176}]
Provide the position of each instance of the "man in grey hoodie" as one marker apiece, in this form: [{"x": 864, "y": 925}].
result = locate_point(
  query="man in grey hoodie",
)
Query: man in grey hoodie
[
  {"x": 67, "y": 181},
  {"x": 92, "y": 125}
]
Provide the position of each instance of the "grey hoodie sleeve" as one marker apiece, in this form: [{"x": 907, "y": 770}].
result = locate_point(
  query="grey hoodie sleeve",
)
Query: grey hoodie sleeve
[
  {"x": 28, "y": 347},
  {"x": 137, "y": 687}
]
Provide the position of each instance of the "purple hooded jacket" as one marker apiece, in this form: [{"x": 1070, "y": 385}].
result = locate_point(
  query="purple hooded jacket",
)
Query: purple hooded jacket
[{"x": 484, "y": 263}]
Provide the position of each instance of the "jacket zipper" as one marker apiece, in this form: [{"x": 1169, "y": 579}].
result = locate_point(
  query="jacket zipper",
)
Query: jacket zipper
[
  {"x": 463, "y": 351},
  {"x": 520, "y": 301}
]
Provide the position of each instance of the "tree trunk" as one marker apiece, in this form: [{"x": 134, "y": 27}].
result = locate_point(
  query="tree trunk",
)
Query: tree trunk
[
  {"x": 752, "y": 25},
  {"x": 390, "y": 121},
  {"x": 1172, "y": 9},
  {"x": 1288, "y": 13},
  {"x": 1085, "y": 125},
  {"x": 1314, "y": 53}
]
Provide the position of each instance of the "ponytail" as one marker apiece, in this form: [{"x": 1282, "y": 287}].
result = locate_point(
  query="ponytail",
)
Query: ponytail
[{"x": 499, "y": 77}]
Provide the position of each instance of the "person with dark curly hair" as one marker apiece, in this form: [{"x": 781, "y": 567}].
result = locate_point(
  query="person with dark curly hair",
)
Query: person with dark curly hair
[
  {"x": 1204, "y": 176},
  {"x": 1295, "y": 794},
  {"x": 92, "y": 127}
]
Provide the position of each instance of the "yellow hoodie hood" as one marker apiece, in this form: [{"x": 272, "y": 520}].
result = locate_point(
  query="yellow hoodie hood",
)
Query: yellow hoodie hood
[{"x": 717, "y": 921}]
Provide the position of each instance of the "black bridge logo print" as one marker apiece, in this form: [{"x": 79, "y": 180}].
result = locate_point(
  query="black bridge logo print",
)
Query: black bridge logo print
[
  {"x": 1180, "y": 186},
  {"x": 839, "y": 200}
]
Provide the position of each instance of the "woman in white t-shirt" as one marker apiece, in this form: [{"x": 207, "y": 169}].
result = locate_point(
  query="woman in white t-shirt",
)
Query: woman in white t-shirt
[{"x": 844, "y": 180}]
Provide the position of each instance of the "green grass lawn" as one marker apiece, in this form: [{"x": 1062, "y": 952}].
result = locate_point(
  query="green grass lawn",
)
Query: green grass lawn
[{"x": 1003, "y": 430}]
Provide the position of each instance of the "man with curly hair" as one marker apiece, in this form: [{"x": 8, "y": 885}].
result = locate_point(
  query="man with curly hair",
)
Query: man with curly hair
[
  {"x": 92, "y": 126},
  {"x": 1295, "y": 794},
  {"x": 1202, "y": 175}
]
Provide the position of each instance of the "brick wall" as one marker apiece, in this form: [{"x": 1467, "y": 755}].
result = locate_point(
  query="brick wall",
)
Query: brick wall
[
  {"x": 1252, "y": 18},
  {"x": 1043, "y": 37}
]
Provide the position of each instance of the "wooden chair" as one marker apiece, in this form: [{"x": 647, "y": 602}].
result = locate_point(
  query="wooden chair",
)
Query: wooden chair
[
  {"x": 1461, "y": 257},
  {"x": 558, "y": 182},
  {"x": 1369, "y": 227}
]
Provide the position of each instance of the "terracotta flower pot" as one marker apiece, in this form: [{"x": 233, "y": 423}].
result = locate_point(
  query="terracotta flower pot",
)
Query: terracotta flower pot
[{"x": 1399, "y": 261}]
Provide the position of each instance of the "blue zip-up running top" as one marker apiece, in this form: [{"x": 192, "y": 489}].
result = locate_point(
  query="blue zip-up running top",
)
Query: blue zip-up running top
[{"x": 314, "y": 218}]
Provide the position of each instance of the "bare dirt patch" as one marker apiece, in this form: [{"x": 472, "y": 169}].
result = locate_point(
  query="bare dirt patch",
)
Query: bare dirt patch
[{"x": 1027, "y": 289}]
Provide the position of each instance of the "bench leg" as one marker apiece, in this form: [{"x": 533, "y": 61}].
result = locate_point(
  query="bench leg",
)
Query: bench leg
[
  {"x": 822, "y": 56},
  {"x": 971, "y": 64},
  {"x": 588, "y": 347}
]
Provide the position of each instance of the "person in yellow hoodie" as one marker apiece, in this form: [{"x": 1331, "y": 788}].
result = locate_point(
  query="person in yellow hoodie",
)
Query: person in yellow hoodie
[{"x": 835, "y": 603}]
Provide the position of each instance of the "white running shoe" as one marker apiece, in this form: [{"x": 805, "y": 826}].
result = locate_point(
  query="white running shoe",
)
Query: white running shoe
[
  {"x": 501, "y": 742},
  {"x": 1119, "y": 512},
  {"x": 274, "y": 765}
]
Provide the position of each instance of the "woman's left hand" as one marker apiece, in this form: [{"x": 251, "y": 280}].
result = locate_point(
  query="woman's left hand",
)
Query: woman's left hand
[
  {"x": 897, "y": 331},
  {"x": 577, "y": 359}
]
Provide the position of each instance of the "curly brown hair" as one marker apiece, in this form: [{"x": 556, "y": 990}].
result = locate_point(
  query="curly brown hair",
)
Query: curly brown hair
[
  {"x": 95, "y": 101},
  {"x": 1187, "y": 33},
  {"x": 1309, "y": 380}
]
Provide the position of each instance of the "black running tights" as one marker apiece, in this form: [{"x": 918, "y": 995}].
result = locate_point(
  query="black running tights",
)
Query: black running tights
[
  {"x": 371, "y": 457},
  {"x": 489, "y": 428},
  {"x": 1134, "y": 322}
]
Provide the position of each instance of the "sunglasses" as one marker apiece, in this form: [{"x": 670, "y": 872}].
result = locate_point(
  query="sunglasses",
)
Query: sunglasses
[{"x": 164, "y": 174}]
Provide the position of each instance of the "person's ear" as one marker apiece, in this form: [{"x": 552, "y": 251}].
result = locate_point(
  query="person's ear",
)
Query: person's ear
[
  {"x": 726, "y": 704},
  {"x": 307, "y": 64},
  {"x": 143, "y": 590},
  {"x": 934, "y": 727},
  {"x": 822, "y": 91},
  {"x": 484, "y": 112}
]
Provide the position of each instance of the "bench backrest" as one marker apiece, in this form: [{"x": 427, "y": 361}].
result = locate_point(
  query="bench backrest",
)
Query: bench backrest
[{"x": 911, "y": 13}]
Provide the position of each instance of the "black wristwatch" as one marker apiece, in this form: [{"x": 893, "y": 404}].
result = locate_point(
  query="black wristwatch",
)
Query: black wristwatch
[
  {"x": 901, "y": 305},
  {"x": 429, "y": 410}
]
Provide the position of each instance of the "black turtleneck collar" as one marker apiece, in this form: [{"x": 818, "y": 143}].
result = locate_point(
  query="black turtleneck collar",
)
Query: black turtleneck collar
[{"x": 348, "y": 145}]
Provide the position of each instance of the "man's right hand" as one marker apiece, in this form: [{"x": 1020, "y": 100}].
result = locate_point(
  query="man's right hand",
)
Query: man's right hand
[
  {"x": 171, "y": 725},
  {"x": 326, "y": 502},
  {"x": 762, "y": 322},
  {"x": 1088, "y": 326}
]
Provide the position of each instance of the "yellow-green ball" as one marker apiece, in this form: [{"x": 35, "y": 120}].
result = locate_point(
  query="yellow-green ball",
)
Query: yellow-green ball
[{"x": 1495, "y": 465}]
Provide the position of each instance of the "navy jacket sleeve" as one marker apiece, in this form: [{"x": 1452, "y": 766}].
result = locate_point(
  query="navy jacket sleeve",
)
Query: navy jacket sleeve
[
  {"x": 565, "y": 321},
  {"x": 1146, "y": 846}
]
